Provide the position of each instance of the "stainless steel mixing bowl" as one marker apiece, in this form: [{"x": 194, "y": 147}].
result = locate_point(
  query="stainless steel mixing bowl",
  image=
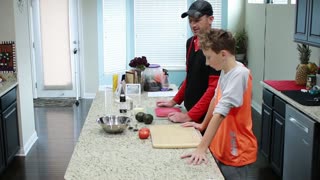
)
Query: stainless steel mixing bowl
[{"x": 113, "y": 123}]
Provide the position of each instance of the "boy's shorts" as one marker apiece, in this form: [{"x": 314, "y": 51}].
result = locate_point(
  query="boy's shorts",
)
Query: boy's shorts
[{"x": 233, "y": 172}]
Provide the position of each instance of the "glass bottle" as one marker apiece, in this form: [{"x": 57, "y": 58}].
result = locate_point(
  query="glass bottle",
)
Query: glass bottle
[
  {"x": 165, "y": 81},
  {"x": 122, "y": 98}
]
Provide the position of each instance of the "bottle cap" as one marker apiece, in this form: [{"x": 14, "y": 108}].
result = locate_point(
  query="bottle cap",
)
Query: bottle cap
[{"x": 122, "y": 98}]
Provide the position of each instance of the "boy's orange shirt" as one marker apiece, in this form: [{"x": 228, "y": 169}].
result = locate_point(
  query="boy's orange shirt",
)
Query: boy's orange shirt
[{"x": 234, "y": 143}]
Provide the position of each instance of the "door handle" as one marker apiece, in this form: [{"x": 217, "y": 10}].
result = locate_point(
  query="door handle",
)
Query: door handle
[
  {"x": 294, "y": 121},
  {"x": 265, "y": 111},
  {"x": 75, "y": 50}
]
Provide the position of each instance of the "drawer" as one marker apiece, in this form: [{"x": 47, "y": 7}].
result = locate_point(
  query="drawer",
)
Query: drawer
[
  {"x": 280, "y": 106},
  {"x": 267, "y": 97},
  {"x": 7, "y": 99}
]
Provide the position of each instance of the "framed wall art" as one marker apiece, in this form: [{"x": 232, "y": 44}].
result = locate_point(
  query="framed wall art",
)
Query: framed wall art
[{"x": 7, "y": 56}]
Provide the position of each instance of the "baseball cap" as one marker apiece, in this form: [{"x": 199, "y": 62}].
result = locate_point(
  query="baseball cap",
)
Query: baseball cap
[{"x": 198, "y": 9}]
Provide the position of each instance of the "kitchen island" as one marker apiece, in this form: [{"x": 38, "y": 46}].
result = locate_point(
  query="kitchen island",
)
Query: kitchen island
[{"x": 99, "y": 155}]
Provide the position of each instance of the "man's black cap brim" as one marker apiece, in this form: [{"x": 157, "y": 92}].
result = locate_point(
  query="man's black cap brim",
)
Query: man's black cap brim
[{"x": 192, "y": 13}]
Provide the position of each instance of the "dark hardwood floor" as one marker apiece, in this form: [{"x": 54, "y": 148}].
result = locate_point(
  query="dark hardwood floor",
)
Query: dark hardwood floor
[{"x": 58, "y": 129}]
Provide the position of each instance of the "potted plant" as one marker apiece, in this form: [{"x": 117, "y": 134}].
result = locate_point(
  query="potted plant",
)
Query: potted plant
[
  {"x": 241, "y": 38},
  {"x": 139, "y": 64}
]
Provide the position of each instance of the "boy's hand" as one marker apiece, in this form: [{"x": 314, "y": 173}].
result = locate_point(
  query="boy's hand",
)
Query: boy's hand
[
  {"x": 198, "y": 126},
  {"x": 179, "y": 117},
  {"x": 196, "y": 157},
  {"x": 166, "y": 103}
]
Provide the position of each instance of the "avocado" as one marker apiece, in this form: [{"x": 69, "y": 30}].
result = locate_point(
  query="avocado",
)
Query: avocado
[
  {"x": 147, "y": 118},
  {"x": 139, "y": 116}
]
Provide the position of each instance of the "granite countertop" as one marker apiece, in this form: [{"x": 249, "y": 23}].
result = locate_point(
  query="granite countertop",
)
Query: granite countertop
[
  {"x": 8, "y": 84},
  {"x": 99, "y": 155},
  {"x": 312, "y": 111}
]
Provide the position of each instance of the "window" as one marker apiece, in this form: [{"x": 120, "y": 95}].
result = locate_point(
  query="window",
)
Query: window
[
  {"x": 160, "y": 33},
  {"x": 217, "y": 13},
  {"x": 156, "y": 30},
  {"x": 279, "y": 1},
  {"x": 160, "y": 36},
  {"x": 256, "y": 1},
  {"x": 271, "y": 1}
]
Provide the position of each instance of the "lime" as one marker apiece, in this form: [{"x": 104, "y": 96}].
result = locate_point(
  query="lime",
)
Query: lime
[
  {"x": 147, "y": 118},
  {"x": 139, "y": 116}
]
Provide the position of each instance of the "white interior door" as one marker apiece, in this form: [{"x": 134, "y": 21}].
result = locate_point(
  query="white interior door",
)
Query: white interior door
[{"x": 55, "y": 27}]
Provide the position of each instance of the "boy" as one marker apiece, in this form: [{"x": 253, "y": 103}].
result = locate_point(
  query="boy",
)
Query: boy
[{"x": 228, "y": 121}]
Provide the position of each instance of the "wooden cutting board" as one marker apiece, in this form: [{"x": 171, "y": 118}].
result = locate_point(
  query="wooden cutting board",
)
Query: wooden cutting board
[{"x": 174, "y": 136}]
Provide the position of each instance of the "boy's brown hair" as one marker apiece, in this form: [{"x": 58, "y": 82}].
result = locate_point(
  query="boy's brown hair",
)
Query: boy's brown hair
[{"x": 217, "y": 40}]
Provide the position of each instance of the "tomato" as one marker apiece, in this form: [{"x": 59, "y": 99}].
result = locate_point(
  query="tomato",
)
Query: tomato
[{"x": 144, "y": 133}]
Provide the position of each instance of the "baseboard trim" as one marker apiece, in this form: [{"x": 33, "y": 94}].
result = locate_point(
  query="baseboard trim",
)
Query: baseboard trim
[
  {"x": 25, "y": 149},
  {"x": 89, "y": 96},
  {"x": 256, "y": 106}
]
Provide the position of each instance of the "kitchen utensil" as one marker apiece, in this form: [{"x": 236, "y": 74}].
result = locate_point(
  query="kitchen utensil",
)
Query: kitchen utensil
[
  {"x": 153, "y": 76},
  {"x": 113, "y": 123}
]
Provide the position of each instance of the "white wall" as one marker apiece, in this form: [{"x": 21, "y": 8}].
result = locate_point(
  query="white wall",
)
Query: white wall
[
  {"x": 236, "y": 15},
  {"x": 28, "y": 134},
  {"x": 89, "y": 28},
  {"x": 255, "y": 25},
  {"x": 275, "y": 58},
  {"x": 6, "y": 21}
]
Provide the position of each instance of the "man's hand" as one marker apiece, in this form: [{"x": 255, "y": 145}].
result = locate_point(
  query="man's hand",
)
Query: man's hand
[
  {"x": 198, "y": 126},
  {"x": 178, "y": 117},
  {"x": 196, "y": 157},
  {"x": 166, "y": 103}
]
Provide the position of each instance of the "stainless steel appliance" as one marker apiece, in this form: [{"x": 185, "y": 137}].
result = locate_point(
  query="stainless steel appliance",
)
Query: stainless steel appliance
[{"x": 301, "y": 146}]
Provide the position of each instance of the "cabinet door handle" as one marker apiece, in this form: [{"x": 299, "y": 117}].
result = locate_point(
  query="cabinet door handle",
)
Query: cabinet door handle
[
  {"x": 305, "y": 142},
  {"x": 279, "y": 122},
  {"x": 10, "y": 113},
  {"x": 297, "y": 123},
  {"x": 265, "y": 111}
]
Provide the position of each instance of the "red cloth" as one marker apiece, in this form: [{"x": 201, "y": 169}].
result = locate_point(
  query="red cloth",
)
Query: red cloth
[
  {"x": 284, "y": 85},
  {"x": 164, "y": 111},
  {"x": 179, "y": 97},
  {"x": 196, "y": 44}
]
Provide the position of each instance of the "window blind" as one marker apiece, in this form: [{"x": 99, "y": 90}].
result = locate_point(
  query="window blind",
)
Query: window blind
[
  {"x": 256, "y": 1},
  {"x": 160, "y": 33},
  {"x": 114, "y": 36},
  {"x": 217, "y": 12},
  {"x": 279, "y": 1}
]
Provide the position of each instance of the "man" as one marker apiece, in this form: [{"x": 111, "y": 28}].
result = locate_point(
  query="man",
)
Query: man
[{"x": 199, "y": 85}]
